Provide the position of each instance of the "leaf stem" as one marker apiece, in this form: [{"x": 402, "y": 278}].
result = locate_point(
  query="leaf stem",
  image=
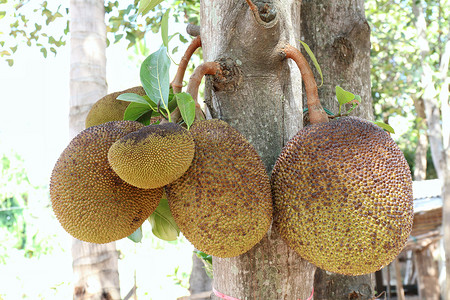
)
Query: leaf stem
[
  {"x": 206, "y": 68},
  {"x": 177, "y": 83},
  {"x": 316, "y": 112}
]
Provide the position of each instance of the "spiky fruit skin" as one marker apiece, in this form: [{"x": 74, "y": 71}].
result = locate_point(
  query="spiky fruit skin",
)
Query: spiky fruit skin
[
  {"x": 343, "y": 196},
  {"x": 90, "y": 201},
  {"x": 153, "y": 156},
  {"x": 222, "y": 204},
  {"x": 109, "y": 109}
]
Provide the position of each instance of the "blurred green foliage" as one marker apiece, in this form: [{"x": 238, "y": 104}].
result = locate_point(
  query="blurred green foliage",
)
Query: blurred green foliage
[
  {"x": 19, "y": 228},
  {"x": 397, "y": 65},
  {"x": 35, "y": 23}
]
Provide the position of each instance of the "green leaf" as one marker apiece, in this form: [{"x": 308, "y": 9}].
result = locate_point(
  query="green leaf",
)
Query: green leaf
[
  {"x": 313, "y": 58},
  {"x": 147, "y": 5},
  {"x": 44, "y": 52},
  {"x": 155, "y": 77},
  {"x": 385, "y": 126},
  {"x": 10, "y": 62},
  {"x": 146, "y": 118},
  {"x": 135, "y": 110},
  {"x": 207, "y": 261},
  {"x": 186, "y": 104},
  {"x": 343, "y": 96},
  {"x": 131, "y": 97},
  {"x": 117, "y": 38},
  {"x": 136, "y": 236},
  {"x": 2, "y": 14},
  {"x": 163, "y": 224},
  {"x": 165, "y": 28}
]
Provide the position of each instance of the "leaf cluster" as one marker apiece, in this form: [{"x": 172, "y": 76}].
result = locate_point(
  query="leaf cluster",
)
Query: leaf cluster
[{"x": 29, "y": 23}]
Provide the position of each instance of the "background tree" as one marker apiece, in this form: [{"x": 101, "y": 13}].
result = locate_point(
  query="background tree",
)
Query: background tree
[{"x": 95, "y": 266}]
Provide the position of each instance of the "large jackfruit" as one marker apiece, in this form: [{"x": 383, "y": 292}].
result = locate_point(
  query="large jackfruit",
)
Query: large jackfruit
[
  {"x": 90, "y": 201},
  {"x": 109, "y": 109},
  {"x": 222, "y": 203},
  {"x": 343, "y": 196},
  {"x": 153, "y": 156}
]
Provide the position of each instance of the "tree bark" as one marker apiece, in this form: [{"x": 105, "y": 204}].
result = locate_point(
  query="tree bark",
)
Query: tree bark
[
  {"x": 420, "y": 160},
  {"x": 445, "y": 108},
  {"x": 95, "y": 266},
  {"x": 429, "y": 91},
  {"x": 264, "y": 104},
  {"x": 339, "y": 36}
]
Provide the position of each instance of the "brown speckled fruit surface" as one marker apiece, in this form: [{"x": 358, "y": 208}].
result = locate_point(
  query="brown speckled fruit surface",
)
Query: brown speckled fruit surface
[{"x": 343, "y": 196}]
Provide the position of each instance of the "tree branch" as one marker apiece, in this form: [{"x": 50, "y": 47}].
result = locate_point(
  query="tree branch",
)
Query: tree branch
[
  {"x": 177, "y": 83},
  {"x": 316, "y": 112}
]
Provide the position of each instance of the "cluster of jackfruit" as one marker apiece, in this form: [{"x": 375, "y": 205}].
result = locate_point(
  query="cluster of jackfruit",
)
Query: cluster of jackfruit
[
  {"x": 340, "y": 192},
  {"x": 343, "y": 196},
  {"x": 111, "y": 178}
]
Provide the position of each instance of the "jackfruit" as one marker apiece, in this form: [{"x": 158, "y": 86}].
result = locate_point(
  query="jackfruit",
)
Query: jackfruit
[
  {"x": 109, "y": 109},
  {"x": 90, "y": 201},
  {"x": 343, "y": 196},
  {"x": 222, "y": 203},
  {"x": 153, "y": 156}
]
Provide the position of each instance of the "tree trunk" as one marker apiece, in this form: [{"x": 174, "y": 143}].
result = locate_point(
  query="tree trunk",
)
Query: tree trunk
[
  {"x": 264, "y": 104},
  {"x": 429, "y": 91},
  {"x": 445, "y": 108},
  {"x": 339, "y": 36},
  {"x": 446, "y": 220},
  {"x": 420, "y": 160},
  {"x": 95, "y": 266}
]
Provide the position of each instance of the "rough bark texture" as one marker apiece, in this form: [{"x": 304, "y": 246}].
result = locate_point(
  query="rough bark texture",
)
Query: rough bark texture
[
  {"x": 95, "y": 266},
  {"x": 428, "y": 272},
  {"x": 339, "y": 36},
  {"x": 265, "y": 105}
]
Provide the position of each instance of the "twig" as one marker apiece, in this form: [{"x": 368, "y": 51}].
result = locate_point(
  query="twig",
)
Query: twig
[
  {"x": 316, "y": 112},
  {"x": 177, "y": 83},
  {"x": 206, "y": 68}
]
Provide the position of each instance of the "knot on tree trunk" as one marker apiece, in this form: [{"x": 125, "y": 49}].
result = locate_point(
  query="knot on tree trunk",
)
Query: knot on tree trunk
[{"x": 231, "y": 75}]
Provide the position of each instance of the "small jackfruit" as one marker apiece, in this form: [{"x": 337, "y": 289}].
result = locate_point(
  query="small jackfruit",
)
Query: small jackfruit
[
  {"x": 153, "y": 156},
  {"x": 109, "y": 109},
  {"x": 90, "y": 201},
  {"x": 222, "y": 203},
  {"x": 343, "y": 196}
]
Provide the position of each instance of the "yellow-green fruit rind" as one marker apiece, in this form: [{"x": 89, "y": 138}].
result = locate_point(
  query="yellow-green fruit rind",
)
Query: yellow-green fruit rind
[
  {"x": 153, "y": 156},
  {"x": 343, "y": 196},
  {"x": 222, "y": 204},
  {"x": 109, "y": 109},
  {"x": 90, "y": 201}
]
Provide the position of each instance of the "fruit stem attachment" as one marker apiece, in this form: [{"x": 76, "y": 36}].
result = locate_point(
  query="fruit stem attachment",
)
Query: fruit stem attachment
[
  {"x": 206, "y": 68},
  {"x": 177, "y": 83},
  {"x": 316, "y": 112}
]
